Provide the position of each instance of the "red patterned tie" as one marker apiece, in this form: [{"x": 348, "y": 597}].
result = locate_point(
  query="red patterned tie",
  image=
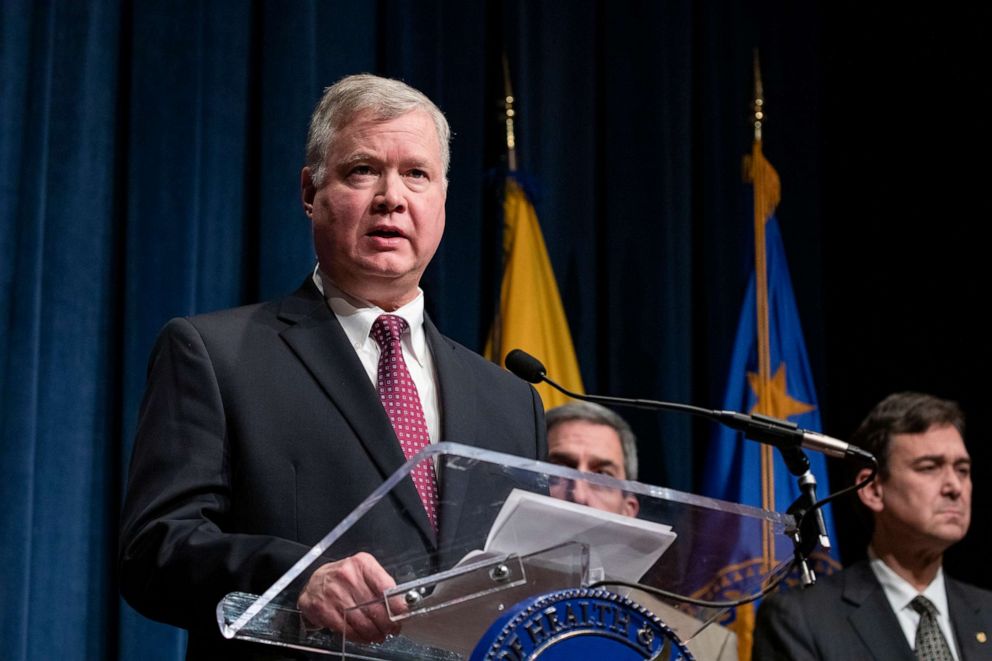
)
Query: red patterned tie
[{"x": 399, "y": 397}]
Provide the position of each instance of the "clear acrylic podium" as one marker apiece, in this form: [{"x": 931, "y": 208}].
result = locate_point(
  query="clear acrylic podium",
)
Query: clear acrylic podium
[{"x": 555, "y": 532}]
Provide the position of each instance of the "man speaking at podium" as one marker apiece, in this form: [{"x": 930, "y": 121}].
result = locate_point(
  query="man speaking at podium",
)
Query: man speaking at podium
[
  {"x": 264, "y": 426},
  {"x": 898, "y": 604}
]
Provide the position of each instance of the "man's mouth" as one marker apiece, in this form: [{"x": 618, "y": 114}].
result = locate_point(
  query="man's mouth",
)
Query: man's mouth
[
  {"x": 951, "y": 512},
  {"x": 386, "y": 233}
]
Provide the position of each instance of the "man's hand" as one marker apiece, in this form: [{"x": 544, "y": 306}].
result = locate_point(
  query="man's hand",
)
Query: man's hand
[{"x": 338, "y": 586}]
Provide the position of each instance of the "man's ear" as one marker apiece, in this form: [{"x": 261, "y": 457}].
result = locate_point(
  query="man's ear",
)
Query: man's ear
[
  {"x": 871, "y": 494},
  {"x": 307, "y": 191},
  {"x": 631, "y": 506}
]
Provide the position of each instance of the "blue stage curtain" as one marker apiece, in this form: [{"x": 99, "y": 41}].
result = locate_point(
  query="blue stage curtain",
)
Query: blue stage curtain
[{"x": 149, "y": 167}]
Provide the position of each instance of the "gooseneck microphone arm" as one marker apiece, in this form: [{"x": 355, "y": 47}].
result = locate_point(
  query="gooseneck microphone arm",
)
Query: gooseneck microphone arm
[{"x": 783, "y": 434}]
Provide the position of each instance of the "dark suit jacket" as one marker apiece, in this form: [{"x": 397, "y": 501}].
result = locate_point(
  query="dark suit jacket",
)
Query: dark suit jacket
[
  {"x": 847, "y": 616},
  {"x": 259, "y": 431}
]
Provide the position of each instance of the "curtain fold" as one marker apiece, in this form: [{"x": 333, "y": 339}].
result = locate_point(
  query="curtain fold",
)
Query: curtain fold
[{"x": 58, "y": 161}]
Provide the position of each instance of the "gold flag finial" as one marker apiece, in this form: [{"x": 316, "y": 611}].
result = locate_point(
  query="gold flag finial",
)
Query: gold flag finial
[
  {"x": 759, "y": 99},
  {"x": 509, "y": 113}
]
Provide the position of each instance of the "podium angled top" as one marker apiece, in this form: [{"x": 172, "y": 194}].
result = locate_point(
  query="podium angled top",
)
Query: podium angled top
[{"x": 547, "y": 536}]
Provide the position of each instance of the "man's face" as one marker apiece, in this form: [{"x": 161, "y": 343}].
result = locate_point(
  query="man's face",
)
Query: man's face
[
  {"x": 379, "y": 215},
  {"x": 590, "y": 448},
  {"x": 925, "y": 502}
]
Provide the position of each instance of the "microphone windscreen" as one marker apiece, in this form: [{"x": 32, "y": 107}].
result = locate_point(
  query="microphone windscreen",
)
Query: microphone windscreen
[{"x": 524, "y": 365}]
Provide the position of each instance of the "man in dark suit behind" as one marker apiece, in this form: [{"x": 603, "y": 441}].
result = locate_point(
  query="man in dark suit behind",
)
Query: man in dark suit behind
[
  {"x": 594, "y": 439},
  {"x": 262, "y": 427},
  {"x": 898, "y": 604}
]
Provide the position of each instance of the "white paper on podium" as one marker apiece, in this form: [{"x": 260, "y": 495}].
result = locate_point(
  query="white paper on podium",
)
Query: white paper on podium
[{"x": 620, "y": 547}]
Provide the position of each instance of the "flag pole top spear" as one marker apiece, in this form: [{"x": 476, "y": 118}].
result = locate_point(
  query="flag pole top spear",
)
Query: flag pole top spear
[
  {"x": 509, "y": 113},
  {"x": 758, "y": 115}
]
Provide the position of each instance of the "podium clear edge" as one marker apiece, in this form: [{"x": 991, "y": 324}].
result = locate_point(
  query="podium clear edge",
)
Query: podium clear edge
[{"x": 451, "y": 588}]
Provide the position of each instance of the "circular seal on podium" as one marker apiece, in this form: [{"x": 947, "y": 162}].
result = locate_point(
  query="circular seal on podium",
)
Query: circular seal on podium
[{"x": 579, "y": 624}]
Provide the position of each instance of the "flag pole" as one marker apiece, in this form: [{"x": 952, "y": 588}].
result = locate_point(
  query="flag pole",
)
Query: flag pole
[
  {"x": 509, "y": 113},
  {"x": 529, "y": 314},
  {"x": 496, "y": 336},
  {"x": 763, "y": 208}
]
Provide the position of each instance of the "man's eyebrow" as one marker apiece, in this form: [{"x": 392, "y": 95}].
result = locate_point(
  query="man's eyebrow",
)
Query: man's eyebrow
[
  {"x": 417, "y": 162},
  {"x": 364, "y": 156},
  {"x": 940, "y": 459},
  {"x": 356, "y": 157}
]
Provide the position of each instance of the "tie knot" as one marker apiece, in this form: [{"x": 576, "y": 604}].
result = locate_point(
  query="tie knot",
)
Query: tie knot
[
  {"x": 922, "y": 605},
  {"x": 387, "y": 329}
]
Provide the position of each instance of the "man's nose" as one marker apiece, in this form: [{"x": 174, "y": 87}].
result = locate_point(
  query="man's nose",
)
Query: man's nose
[
  {"x": 580, "y": 493},
  {"x": 953, "y": 483},
  {"x": 389, "y": 196}
]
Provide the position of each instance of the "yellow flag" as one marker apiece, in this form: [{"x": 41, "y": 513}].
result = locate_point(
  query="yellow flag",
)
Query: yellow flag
[{"x": 531, "y": 316}]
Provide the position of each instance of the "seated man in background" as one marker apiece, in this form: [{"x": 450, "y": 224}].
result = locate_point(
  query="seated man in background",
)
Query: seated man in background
[
  {"x": 593, "y": 439},
  {"x": 898, "y": 604}
]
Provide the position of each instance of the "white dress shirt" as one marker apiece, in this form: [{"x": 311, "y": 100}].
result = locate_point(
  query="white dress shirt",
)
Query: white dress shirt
[
  {"x": 357, "y": 316},
  {"x": 900, "y": 593}
]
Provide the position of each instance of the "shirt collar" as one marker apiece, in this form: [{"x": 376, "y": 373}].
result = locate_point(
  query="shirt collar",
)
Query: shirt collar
[
  {"x": 901, "y": 591},
  {"x": 357, "y": 316}
]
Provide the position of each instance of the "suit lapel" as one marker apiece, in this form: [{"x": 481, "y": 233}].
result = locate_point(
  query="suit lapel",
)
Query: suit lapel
[
  {"x": 317, "y": 339},
  {"x": 456, "y": 388},
  {"x": 458, "y": 396},
  {"x": 873, "y": 619},
  {"x": 969, "y": 628}
]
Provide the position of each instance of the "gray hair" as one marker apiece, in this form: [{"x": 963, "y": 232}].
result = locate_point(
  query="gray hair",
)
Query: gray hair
[
  {"x": 384, "y": 97},
  {"x": 599, "y": 415}
]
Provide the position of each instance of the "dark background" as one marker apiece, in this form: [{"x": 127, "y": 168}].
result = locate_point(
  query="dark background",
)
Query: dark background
[{"x": 149, "y": 161}]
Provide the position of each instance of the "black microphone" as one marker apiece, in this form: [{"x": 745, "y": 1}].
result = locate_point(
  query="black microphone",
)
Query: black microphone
[
  {"x": 783, "y": 434},
  {"x": 526, "y": 366}
]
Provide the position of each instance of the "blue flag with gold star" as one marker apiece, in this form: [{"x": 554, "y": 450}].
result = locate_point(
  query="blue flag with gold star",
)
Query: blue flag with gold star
[
  {"x": 733, "y": 463},
  {"x": 769, "y": 374}
]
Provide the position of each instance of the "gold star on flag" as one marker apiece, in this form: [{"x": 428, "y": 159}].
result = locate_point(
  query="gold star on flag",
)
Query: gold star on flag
[{"x": 776, "y": 402}]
